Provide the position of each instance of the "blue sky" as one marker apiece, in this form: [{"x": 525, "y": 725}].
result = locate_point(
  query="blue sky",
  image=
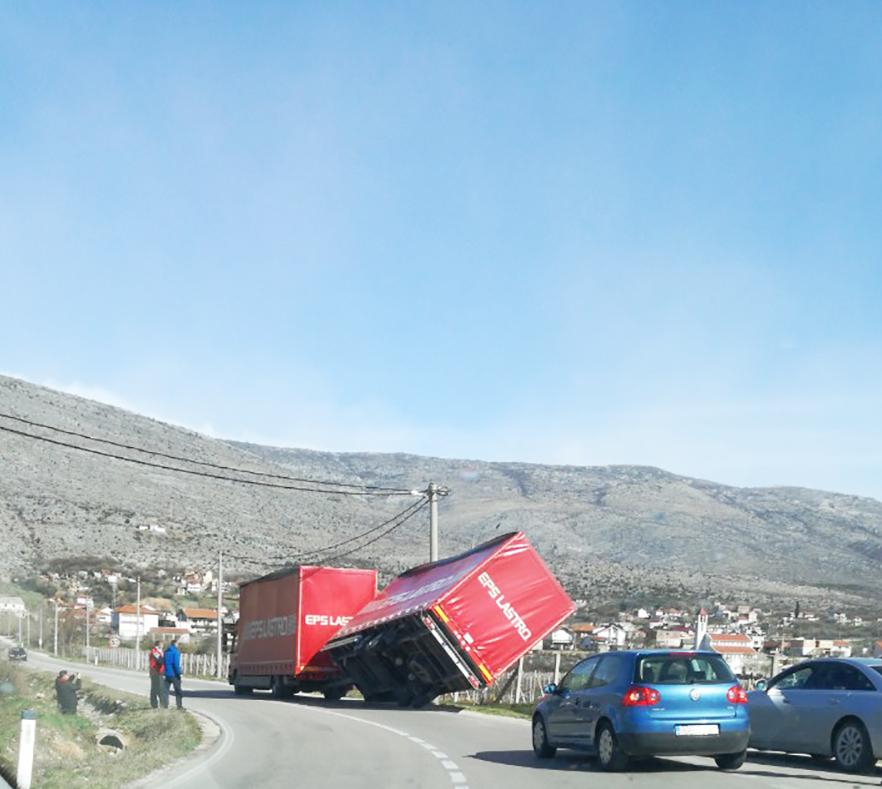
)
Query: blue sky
[{"x": 583, "y": 233}]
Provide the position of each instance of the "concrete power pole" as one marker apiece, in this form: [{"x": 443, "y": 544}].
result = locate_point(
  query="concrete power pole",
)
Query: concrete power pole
[
  {"x": 138, "y": 627},
  {"x": 220, "y": 620},
  {"x": 40, "y": 638},
  {"x": 87, "y": 631},
  {"x": 433, "y": 492},
  {"x": 55, "y": 639}
]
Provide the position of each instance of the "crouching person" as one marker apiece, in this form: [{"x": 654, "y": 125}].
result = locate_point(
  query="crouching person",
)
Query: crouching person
[{"x": 66, "y": 687}]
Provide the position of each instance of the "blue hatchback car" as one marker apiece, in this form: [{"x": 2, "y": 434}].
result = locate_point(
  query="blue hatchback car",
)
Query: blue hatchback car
[{"x": 619, "y": 705}]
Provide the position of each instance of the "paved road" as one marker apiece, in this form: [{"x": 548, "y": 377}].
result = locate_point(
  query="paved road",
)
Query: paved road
[{"x": 310, "y": 742}]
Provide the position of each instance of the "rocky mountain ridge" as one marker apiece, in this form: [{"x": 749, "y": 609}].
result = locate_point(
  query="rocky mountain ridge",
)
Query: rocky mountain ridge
[{"x": 609, "y": 533}]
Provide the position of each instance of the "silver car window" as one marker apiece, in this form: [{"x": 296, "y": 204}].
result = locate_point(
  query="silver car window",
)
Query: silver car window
[
  {"x": 794, "y": 679},
  {"x": 840, "y": 676}
]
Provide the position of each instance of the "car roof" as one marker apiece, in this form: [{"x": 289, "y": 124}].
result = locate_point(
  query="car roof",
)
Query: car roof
[{"x": 857, "y": 661}]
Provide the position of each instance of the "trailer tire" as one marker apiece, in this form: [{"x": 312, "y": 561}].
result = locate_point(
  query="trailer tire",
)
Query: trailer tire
[
  {"x": 241, "y": 690},
  {"x": 277, "y": 688},
  {"x": 421, "y": 700},
  {"x": 334, "y": 694}
]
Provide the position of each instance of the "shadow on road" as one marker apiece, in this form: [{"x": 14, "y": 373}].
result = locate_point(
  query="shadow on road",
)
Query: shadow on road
[
  {"x": 220, "y": 693},
  {"x": 573, "y": 760},
  {"x": 813, "y": 769}
]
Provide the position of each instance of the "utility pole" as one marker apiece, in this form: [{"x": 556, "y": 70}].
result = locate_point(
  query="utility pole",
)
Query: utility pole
[
  {"x": 138, "y": 627},
  {"x": 87, "y": 631},
  {"x": 19, "y": 629},
  {"x": 40, "y": 639},
  {"x": 55, "y": 641},
  {"x": 433, "y": 492},
  {"x": 220, "y": 621},
  {"x": 29, "y": 629}
]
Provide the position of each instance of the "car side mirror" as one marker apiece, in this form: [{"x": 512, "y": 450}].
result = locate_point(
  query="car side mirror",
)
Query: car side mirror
[
  {"x": 550, "y": 689},
  {"x": 761, "y": 684}
]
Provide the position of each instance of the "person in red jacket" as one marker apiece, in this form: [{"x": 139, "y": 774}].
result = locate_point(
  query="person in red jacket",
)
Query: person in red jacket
[{"x": 158, "y": 693}]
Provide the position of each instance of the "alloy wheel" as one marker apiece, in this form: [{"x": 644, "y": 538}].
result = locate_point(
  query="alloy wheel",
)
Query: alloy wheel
[
  {"x": 849, "y": 746},
  {"x": 605, "y": 746}
]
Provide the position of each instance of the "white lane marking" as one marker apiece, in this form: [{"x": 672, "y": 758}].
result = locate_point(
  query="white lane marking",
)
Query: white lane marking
[{"x": 453, "y": 772}]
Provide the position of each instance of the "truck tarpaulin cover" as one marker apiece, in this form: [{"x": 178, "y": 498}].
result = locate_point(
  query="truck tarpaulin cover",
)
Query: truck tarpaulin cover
[
  {"x": 285, "y": 618},
  {"x": 497, "y": 600}
]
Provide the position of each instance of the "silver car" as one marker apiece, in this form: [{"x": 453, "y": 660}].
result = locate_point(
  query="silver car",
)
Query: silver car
[{"x": 825, "y": 708}]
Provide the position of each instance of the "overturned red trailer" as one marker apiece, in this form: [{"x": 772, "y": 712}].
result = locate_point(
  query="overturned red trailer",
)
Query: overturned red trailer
[
  {"x": 451, "y": 625},
  {"x": 285, "y": 618}
]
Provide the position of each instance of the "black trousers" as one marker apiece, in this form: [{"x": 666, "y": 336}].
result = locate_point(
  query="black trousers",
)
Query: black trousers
[
  {"x": 158, "y": 691},
  {"x": 176, "y": 683}
]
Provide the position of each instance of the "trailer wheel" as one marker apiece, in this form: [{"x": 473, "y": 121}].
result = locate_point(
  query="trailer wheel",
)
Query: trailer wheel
[
  {"x": 241, "y": 690},
  {"x": 334, "y": 694},
  {"x": 421, "y": 700},
  {"x": 277, "y": 688}
]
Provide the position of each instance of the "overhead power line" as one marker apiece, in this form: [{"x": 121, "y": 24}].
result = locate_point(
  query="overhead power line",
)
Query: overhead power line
[
  {"x": 406, "y": 513},
  {"x": 394, "y": 522},
  {"x": 205, "y": 463},
  {"x": 422, "y": 505},
  {"x": 206, "y": 474}
]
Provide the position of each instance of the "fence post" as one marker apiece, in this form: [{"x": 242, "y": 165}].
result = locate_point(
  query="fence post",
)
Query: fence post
[
  {"x": 517, "y": 698},
  {"x": 26, "y": 749},
  {"x": 557, "y": 667}
]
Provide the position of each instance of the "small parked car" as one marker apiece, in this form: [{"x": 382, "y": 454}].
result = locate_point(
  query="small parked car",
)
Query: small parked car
[
  {"x": 826, "y": 708},
  {"x": 620, "y": 705},
  {"x": 17, "y": 653}
]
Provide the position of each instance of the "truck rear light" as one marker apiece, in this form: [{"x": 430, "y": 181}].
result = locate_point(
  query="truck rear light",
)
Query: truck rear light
[
  {"x": 736, "y": 695},
  {"x": 638, "y": 696}
]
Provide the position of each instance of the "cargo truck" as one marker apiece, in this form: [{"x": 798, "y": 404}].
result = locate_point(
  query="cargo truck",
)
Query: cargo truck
[
  {"x": 451, "y": 625},
  {"x": 285, "y": 618}
]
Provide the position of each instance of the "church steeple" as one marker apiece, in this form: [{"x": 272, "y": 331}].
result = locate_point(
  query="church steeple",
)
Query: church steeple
[{"x": 700, "y": 628}]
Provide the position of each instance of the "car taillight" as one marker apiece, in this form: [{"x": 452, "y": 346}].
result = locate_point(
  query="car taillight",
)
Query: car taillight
[
  {"x": 736, "y": 695},
  {"x": 637, "y": 696}
]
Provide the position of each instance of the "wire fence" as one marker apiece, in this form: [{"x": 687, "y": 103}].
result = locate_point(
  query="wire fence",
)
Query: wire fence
[{"x": 193, "y": 665}]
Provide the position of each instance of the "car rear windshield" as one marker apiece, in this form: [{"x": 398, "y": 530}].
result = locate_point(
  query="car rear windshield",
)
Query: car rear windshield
[
  {"x": 877, "y": 668},
  {"x": 682, "y": 668}
]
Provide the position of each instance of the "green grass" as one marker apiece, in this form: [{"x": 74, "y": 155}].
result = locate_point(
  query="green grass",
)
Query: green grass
[
  {"x": 504, "y": 710},
  {"x": 66, "y": 753}
]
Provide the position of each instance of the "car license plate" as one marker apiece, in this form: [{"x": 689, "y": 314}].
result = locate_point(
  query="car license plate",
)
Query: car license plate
[{"x": 696, "y": 729}]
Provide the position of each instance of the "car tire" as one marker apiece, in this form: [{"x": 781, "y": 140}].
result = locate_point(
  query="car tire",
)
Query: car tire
[
  {"x": 540, "y": 740},
  {"x": 852, "y": 748},
  {"x": 610, "y": 755},
  {"x": 730, "y": 761}
]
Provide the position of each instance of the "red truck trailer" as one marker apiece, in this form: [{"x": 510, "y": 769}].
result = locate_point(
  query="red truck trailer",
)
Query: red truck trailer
[
  {"x": 285, "y": 618},
  {"x": 451, "y": 625}
]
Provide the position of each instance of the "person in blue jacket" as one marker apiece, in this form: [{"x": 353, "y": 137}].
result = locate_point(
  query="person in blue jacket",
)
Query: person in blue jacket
[{"x": 173, "y": 673}]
